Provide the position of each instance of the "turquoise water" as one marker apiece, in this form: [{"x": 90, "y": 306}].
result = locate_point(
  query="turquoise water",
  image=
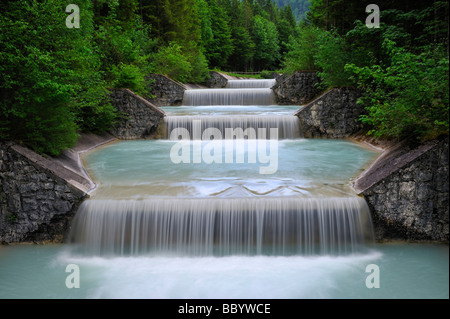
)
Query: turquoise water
[
  {"x": 304, "y": 167},
  {"x": 144, "y": 171},
  {"x": 406, "y": 271}
]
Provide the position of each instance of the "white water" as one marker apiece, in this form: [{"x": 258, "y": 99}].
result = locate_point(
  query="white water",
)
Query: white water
[
  {"x": 201, "y": 97},
  {"x": 223, "y": 227},
  {"x": 251, "y": 84},
  {"x": 408, "y": 271},
  {"x": 288, "y": 126}
]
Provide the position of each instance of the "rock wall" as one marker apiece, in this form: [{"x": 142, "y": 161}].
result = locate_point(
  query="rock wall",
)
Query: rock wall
[
  {"x": 164, "y": 91},
  {"x": 140, "y": 117},
  {"x": 407, "y": 191},
  {"x": 218, "y": 80},
  {"x": 334, "y": 114},
  {"x": 297, "y": 89},
  {"x": 38, "y": 197}
]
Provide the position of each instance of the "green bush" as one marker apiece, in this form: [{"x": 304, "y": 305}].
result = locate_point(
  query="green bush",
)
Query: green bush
[
  {"x": 302, "y": 50},
  {"x": 35, "y": 77},
  {"x": 199, "y": 68},
  {"x": 129, "y": 76},
  {"x": 171, "y": 61},
  {"x": 331, "y": 57},
  {"x": 266, "y": 74},
  {"x": 409, "y": 97}
]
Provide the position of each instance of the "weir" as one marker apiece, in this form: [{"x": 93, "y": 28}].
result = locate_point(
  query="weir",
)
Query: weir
[
  {"x": 288, "y": 126},
  {"x": 246, "y": 96},
  {"x": 251, "y": 84},
  {"x": 223, "y": 226}
]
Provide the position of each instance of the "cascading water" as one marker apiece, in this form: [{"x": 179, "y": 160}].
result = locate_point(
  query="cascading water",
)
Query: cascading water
[
  {"x": 155, "y": 228},
  {"x": 223, "y": 227},
  {"x": 246, "y": 223},
  {"x": 251, "y": 84},
  {"x": 246, "y": 96},
  {"x": 288, "y": 126}
]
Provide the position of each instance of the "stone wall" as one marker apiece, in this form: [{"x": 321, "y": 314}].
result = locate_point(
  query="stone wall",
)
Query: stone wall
[
  {"x": 164, "y": 91},
  {"x": 334, "y": 114},
  {"x": 407, "y": 191},
  {"x": 218, "y": 80},
  {"x": 297, "y": 89},
  {"x": 140, "y": 117},
  {"x": 38, "y": 197}
]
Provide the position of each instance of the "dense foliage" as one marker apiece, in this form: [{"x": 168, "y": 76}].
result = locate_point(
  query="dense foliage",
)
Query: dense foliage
[
  {"x": 401, "y": 67},
  {"x": 55, "y": 81},
  {"x": 299, "y": 7}
]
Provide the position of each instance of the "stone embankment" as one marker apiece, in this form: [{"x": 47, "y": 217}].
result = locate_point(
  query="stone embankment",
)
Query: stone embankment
[
  {"x": 407, "y": 191},
  {"x": 297, "y": 89},
  {"x": 163, "y": 91},
  {"x": 38, "y": 195},
  {"x": 139, "y": 117},
  {"x": 334, "y": 114},
  {"x": 218, "y": 80}
]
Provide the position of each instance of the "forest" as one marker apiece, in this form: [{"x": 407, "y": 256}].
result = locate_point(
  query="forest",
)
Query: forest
[{"x": 55, "y": 80}]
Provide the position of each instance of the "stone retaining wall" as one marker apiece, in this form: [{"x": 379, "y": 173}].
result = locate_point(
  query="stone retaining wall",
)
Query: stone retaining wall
[
  {"x": 407, "y": 191},
  {"x": 296, "y": 89},
  {"x": 38, "y": 197},
  {"x": 140, "y": 117},
  {"x": 334, "y": 114},
  {"x": 164, "y": 91},
  {"x": 217, "y": 80}
]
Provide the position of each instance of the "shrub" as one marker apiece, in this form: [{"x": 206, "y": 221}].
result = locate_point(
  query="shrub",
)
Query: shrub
[
  {"x": 170, "y": 61},
  {"x": 129, "y": 76},
  {"x": 331, "y": 57},
  {"x": 409, "y": 97},
  {"x": 302, "y": 50}
]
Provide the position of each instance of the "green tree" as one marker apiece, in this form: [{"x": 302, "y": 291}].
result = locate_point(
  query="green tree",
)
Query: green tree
[
  {"x": 410, "y": 97},
  {"x": 302, "y": 50},
  {"x": 171, "y": 61},
  {"x": 35, "y": 77},
  {"x": 206, "y": 32},
  {"x": 265, "y": 37},
  {"x": 221, "y": 46},
  {"x": 172, "y": 21},
  {"x": 244, "y": 50}
]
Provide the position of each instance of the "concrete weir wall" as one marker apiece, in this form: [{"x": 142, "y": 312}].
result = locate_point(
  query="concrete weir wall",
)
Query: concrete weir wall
[
  {"x": 407, "y": 191},
  {"x": 38, "y": 196}
]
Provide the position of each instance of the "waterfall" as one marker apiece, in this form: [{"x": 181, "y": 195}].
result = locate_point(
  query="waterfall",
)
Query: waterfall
[
  {"x": 223, "y": 227},
  {"x": 203, "y": 97},
  {"x": 251, "y": 84},
  {"x": 288, "y": 125}
]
